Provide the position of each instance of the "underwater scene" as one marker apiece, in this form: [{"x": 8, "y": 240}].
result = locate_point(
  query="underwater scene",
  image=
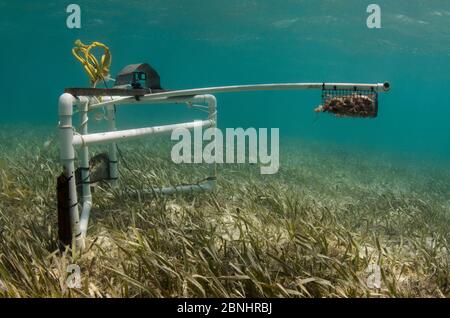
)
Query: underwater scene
[{"x": 215, "y": 149}]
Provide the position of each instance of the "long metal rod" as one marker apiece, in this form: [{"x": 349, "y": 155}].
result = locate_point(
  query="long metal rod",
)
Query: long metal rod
[{"x": 379, "y": 87}]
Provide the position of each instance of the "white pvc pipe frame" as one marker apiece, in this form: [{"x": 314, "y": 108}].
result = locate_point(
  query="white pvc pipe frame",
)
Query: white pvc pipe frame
[{"x": 69, "y": 138}]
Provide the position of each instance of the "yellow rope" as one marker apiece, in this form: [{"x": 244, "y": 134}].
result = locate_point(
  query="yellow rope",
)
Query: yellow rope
[{"x": 96, "y": 71}]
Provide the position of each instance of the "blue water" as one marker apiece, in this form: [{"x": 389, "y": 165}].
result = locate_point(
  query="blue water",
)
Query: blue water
[{"x": 210, "y": 43}]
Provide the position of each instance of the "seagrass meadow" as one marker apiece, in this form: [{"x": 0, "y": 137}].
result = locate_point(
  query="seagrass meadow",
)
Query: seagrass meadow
[
  {"x": 358, "y": 93},
  {"x": 315, "y": 229}
]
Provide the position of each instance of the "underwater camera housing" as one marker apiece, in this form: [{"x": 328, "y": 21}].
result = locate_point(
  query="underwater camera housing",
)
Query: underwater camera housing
[
  {"x": 133, "y": 80},
  {"x": 138, "y": 76}
]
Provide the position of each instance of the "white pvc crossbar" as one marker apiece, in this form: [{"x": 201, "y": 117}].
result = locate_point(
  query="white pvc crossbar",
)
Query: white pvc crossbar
[{"x": 106, "y": 137}]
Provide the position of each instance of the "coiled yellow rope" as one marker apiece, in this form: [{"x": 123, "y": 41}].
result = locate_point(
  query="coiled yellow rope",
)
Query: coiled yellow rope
[{"x": 96, "y": 71}]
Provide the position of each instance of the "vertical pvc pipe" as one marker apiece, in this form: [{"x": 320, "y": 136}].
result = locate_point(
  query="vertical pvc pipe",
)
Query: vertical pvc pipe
[
  {"x": 85, "y": 173},
  {"x": 211, "y": 101},
  {"x": 67, "y": 157},
  {"x": 113, "y": 163}
]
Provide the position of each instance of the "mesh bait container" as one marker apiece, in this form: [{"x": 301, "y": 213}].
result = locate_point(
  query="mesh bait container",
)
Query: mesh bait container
[{"x": 350, "y": 103}]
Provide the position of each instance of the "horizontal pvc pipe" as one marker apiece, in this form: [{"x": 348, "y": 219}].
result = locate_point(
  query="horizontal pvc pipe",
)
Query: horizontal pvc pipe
[
  {"x": 111, "y": 136},
  {"x": 202, "y": 186},
  {"x": 379, "y": 87},
  {"x": 116, "y": 100}
]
